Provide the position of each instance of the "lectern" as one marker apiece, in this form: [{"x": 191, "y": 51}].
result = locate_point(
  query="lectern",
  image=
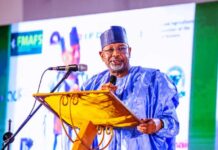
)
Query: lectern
[{"x": 88, "y": 110}]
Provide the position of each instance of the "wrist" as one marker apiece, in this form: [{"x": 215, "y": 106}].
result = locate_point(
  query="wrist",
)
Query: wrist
[{"x": 159, "y": 124}]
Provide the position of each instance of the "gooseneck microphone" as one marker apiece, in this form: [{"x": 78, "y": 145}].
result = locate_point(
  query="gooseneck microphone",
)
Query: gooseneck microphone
[
  {"x": 113, "y": 79},
  {"x": 72, "y": 67}
]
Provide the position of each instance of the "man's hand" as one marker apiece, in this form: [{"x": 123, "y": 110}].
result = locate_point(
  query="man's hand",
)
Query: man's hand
[
  {"x": 109, "y": 86},
  {"x": 150, "y": 126}
]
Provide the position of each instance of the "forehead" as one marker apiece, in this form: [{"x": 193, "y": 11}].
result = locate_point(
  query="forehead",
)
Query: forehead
[{"x": 115, "y": 45}]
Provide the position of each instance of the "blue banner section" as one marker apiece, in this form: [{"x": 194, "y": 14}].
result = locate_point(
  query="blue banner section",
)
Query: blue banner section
[{"x": 25, "y": 43}]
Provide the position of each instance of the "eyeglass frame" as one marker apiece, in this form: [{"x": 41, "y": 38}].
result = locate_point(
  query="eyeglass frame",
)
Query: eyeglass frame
[{"x": 121, "y": 49}]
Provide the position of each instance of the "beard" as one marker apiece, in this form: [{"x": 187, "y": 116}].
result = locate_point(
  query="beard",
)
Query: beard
[
  {"x": 117, "y": 64},
  {"x": 115, "y": 67}
]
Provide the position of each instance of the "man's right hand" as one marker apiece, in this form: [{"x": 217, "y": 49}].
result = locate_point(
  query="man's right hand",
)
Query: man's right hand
[{"x": 109, "y": 86}]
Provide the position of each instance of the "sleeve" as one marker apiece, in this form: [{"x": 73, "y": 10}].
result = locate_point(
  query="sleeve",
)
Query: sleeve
[
  {"x": 95, "y": 82},
  {"x": 89, "y": 84},
  {"x": 167, "y": 101}
]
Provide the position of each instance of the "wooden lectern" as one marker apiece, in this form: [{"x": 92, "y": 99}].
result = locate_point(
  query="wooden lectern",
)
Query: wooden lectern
[{"x": 87, "y": 110}]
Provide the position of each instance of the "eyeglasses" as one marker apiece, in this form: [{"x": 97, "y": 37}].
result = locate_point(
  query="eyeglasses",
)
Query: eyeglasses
[{"x": 120, "y": 49}]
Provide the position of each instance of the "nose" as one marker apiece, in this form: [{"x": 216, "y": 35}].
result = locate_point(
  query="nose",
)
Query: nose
[{"x": 115, "y": 52}]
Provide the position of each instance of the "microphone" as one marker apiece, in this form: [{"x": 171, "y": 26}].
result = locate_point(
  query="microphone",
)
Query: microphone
[
  {"x": 72, "y": 67},
  {"x": 113, "y": 79}
]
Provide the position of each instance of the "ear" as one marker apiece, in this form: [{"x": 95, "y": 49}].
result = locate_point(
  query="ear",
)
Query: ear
[
  {"x": 101, "y": 54},
  {"x": 129, "y": 51}
]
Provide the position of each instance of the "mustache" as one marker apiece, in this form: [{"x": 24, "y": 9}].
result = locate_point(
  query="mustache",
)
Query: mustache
[{"x": 115, "y": 59}]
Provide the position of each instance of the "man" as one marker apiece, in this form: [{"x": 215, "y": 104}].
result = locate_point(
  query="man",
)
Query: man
[{"x": 148, "y": 93}]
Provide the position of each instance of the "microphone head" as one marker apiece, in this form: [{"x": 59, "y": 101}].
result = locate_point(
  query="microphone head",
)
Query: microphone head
[
  {"x": 82, "y": 67},
  {"x": 113, "y": 79}
]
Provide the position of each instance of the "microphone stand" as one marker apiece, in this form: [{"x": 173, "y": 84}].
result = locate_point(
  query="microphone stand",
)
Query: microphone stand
[{"x": 10, "y": 138}]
